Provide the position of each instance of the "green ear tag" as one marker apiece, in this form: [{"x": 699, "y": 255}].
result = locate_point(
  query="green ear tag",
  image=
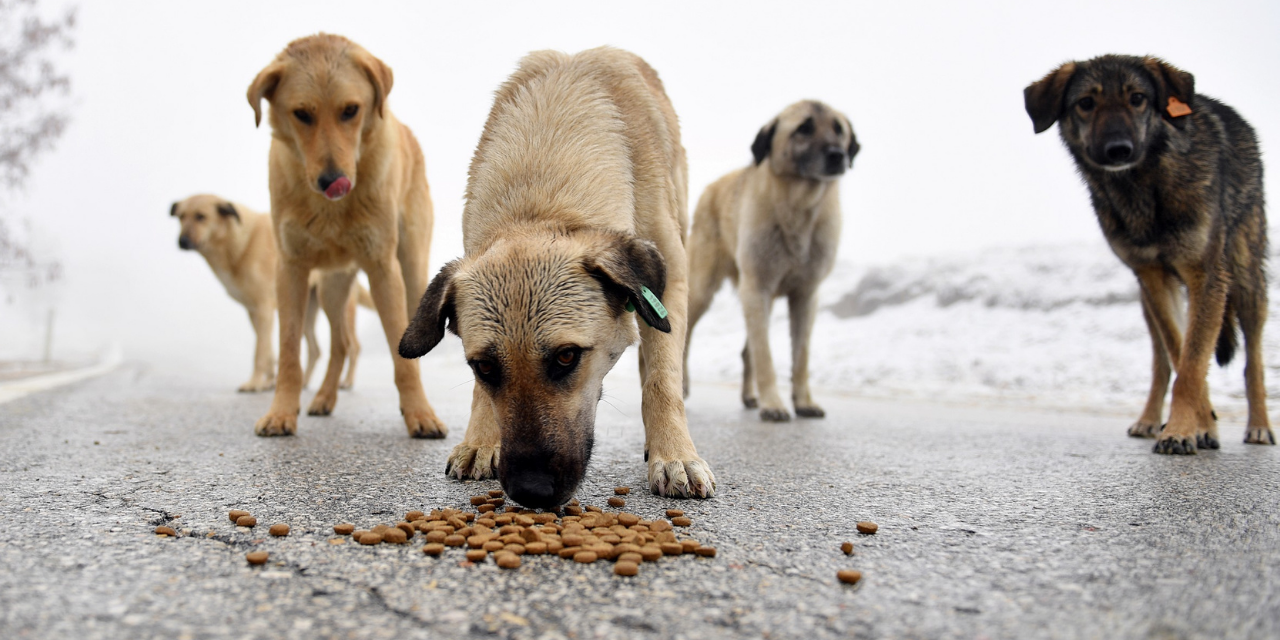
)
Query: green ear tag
[
  {"x": 653, "y": 301},
  {"x": 630, "y": 307}
]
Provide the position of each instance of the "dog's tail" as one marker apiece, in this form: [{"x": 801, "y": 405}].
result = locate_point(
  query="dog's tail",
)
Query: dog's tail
[
  {"x": 363, "y": 298},
  {"x": 1227, "y": 340}
]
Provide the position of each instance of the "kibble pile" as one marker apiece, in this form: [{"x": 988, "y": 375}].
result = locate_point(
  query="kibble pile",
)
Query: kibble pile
[{"x": 583, "y": 535}]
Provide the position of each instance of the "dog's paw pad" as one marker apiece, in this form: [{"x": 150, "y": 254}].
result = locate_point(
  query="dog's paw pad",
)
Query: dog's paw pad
[
  {"x": 811, "y": 411},
  {"x": 1259, "y": 435},
  {"x": 691, "y": 478},
  {"x": 1142, "y": 429},
  {"x": 477, "y": 463},
  {"x": 424, "y": 424},
  {"x": 1206, "y": 441},
  {"x": 1175, "y": 446},
  {"x": 276, "y": 425},
  {"x": 775, "y": 415}
]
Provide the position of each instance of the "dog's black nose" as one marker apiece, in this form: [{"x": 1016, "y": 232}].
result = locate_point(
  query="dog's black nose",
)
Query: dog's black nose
[
  {"x": 835, "y": 162},
  {"x": 1118, "y": 150},
  {"x": 327, "y": 178},
  {"x": 184, "y": 243},
  {"x": 535, "y": 489}
]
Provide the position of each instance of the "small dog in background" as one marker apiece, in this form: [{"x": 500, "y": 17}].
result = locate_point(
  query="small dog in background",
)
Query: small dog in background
[
  {"x": 240, "y": 247},
  {"x": 1176, "y": 182},
  {"x": 773, "y": 229}
]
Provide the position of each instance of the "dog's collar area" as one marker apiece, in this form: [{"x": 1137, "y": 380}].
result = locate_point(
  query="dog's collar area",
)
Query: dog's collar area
[
  {"x": 653, "y": 301},
  {"x": 1177, "y": 108}
]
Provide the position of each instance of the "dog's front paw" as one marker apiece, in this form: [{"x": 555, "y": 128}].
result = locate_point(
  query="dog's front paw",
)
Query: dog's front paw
[
  {"x": 475, "y": 462},
  {"x": 322, "y": 404},
  {"x": 810, "y": 411},
  {"x": 1259, "y": 435},
  {"x": 1206, "y": 441},
  {"x": 681, "y": 477},
  {"x": 775, "y": 414},
  {"x": 423, "y": 423},
  {"x": 257, "y": 385},
  {"x": 276, "y": 424},
  {"x": 1176, "y": 445},
  {"x": 1142, "y": 429}
]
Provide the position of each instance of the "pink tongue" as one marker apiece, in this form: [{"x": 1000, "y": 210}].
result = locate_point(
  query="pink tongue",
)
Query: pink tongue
[{"x": 339, "y": 188}]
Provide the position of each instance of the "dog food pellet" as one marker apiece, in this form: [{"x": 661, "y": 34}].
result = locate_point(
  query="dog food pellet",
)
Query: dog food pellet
[
  {"x": 477, "y": 555},
  {"x": 394, "y": 536},
  {"x": 454, "y": 540},
  {"x": 344, "y": 529},
  {"x": 166, "y": 531},
  {"x": 674, "y": 513},
  {"x": 573, "y": 510},
  {"x": 236, "y": 514},
  {"x": 706, "y": 552},
  {"x": 671, "y": 548},
  {"x": 380, "y": 529},
  {"x": 508, "y": 560},
  {"x": 355, "y": 535},
  {"x": 256, "y": 557},
  {"x": 485, "y": 508},
  {"x": 659, "y": 526},
  {"x": 407, "y": 528},
  {"x": 621, "y": 491},
  {"x": 681, "y": 521},
  {"x": 433, "y": 549},
  {"x": 535, "y": 548},
  {"x": 371, "y": 538},
  {"x": 414, "y": 515},
  {"x": 585, "y": 557},
  {"x": 849, "y": 576},
  {"x": 652, "y": 553},
  {"x": 617, "y": 502},
  {"x": 867, "y": 527},
  {"x": 628, "y": 519},
  {"x": 279, "y": 530},
  {"x": 847, "y": 548},
  {"x": 632, "y": 556},
  {"x": 436, "y": 535},
  {"x": 626, "y": 568},
  {"x": 478, "y": 500},
  {"x": 496, "y": 493},
  {"x": 246, "y": 521},
  {"x": 595, "y": 509},
  {"x": 689, "y": 546}
]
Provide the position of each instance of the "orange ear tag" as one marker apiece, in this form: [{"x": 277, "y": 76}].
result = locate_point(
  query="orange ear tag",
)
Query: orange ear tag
[{"x": 1178, "y": 108}]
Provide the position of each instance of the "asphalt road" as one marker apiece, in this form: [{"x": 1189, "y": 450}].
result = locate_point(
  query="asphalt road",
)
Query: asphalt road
[{"x": 994, "y": 523}]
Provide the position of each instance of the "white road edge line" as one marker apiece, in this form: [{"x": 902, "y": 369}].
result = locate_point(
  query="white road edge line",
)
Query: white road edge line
[{"x": 15, "y": 389}]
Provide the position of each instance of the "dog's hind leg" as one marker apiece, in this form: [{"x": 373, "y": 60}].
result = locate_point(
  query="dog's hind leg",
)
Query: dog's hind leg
[
  {"x": 1148, "y": 424},
  {"x": 309, "y": 332},
  {"x": 353, "y": 342},
  {"x": 749, "y": 399},
  {"x": 757, "y": 302},
  {"x": 335, "y": 295},
  {"x": 803, "y": 307},
  {"x": 1252, "y": 310},
  {"x": 706, "y": 273}
]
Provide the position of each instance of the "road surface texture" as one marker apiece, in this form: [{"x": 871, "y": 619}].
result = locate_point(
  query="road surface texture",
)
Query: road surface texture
[{"x": 994, "y": 523}]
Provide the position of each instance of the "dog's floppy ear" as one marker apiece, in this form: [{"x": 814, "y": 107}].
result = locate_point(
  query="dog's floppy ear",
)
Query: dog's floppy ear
[
  {"x": 1171, "y": 82},
  {"x": 1044, "y": 98},
  {"x": 628, "y": 268},
  {"x": 264, "y": 86},
  {"x": 228, "y": 210},
  {"x": 764, "y": 142},
  {"x": 436, "y": 309},
  {"x": 854, "y": 147},
  {"x": 379, "y": 75},
  {"x": 173, "y": 209}
]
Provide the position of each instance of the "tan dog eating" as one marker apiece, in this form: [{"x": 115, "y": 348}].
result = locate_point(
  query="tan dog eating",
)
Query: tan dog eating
[
  {"x": 348, "y": 191},
  {"x": 239, "y": 246},
  {"x": 576, "y": 209}
]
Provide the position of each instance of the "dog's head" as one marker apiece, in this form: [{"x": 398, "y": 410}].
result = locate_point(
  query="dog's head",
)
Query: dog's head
[
  {"x": 206, "y": 220},
  {"x": 326, "y": 95},
  {"x": 807, "y": 140},
  {"x": 1112, "y": 111},
  {"x": 542, "y": 316}
]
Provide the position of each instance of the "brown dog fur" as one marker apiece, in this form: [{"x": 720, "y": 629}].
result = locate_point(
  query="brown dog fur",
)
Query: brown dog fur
[
  {"x": 240, "y": 248},
  {"x": 1179, "y": 198},
  {"x": 576, "y": 200},
  {"x": 329, "y": 117},
  {"x": 773, "y": 229}
]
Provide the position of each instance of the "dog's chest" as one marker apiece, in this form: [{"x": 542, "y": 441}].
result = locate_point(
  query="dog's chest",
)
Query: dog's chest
[
  {"x": 230, "y": 285},
  {"x": 1146, "y": 224},
  {"x": 320, "y": 242}
]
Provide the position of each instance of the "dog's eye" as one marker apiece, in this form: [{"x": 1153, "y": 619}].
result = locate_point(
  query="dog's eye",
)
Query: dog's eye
[
  {"x": 564, "y": 362},
  {"x": 486, "y": 371},
  {"x": 806, "y": 127},
  {"x": 1085, "y": 104},
  {"x": 567, "y": 357},
  {"x": 350, "y": 112},
  {"x": 302, "y": 116},
  {"x": 1137, "y": 99},
  {"x": 199, "y": 217},
  {"x": 838, "y": 129}
]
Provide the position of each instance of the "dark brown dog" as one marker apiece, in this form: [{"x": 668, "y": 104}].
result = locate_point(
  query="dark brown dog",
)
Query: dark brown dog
[{"x": 1176, "y": 181}]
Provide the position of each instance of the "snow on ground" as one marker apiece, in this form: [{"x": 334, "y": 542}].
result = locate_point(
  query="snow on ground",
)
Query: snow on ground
[{"x": 1052, "y": 326}]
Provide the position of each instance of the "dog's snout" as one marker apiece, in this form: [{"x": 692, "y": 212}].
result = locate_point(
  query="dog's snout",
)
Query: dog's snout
[
  {"x": 835, "y": 162},
  {"x": 533, "y": 488},
  {"x": 538, "y": 478},
  {"x": 328, "y": 178},
  {"x": 185, "y": 243},
  {"x": 1118, "y": 151}
]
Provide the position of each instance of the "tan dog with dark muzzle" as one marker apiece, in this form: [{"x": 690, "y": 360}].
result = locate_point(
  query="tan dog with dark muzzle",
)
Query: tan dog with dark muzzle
[
  {"x": 576, "y": 209},
  {"x": 773, "y": 229},
  {"x": 348, "y": 191}
]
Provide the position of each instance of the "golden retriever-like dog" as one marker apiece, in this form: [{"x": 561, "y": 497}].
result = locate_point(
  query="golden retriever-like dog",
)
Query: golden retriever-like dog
[
  {"x": 773, "y": 229},
  {"x": 348, "y": 191},
  {"x": 240, "y": 248},
  {"x": 576, "y": 209}
]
